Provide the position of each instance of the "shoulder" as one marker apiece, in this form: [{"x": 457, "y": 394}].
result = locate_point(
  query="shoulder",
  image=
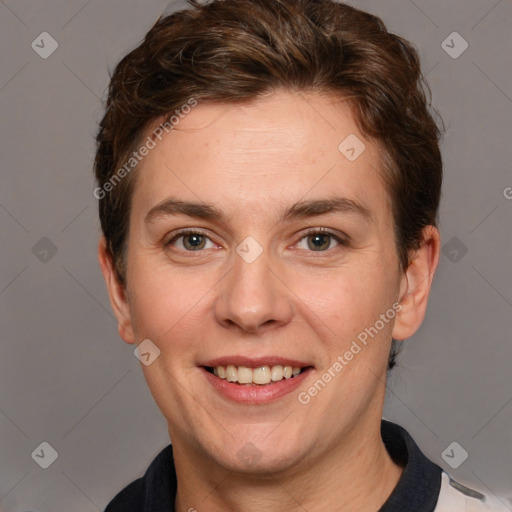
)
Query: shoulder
[
  {"x": 155, "y": 491},
  {"x": 129, "y": 499},
  {"x": 425, "y": 486},
  {"x": 454, "y": 497}
]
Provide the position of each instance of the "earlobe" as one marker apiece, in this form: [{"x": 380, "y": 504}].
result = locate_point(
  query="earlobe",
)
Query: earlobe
[
  {"x": 117, "y": 293},
  {"x": 415, "y": 285}
]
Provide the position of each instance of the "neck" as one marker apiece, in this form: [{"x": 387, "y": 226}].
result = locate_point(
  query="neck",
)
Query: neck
[{"x": 357, "y": 475}]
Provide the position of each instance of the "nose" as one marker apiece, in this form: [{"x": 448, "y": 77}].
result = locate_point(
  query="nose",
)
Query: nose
[{"x": 254, "y": 296}]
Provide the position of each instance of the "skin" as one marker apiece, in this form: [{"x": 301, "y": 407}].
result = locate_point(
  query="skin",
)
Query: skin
[{"x": 253, "y": 160}]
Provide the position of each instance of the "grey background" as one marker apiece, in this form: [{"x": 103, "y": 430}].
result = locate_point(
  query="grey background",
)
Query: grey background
[{"x": 66, "y": 378}]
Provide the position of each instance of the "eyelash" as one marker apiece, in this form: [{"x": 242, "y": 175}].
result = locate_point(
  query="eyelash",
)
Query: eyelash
[{"x": 309, "y": 232}]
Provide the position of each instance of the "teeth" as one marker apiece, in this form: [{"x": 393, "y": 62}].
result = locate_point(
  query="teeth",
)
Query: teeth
[
  {"x": 277, "y": 373},
  {"x": 231, "y": 373},
  {"x": 244, "y": 375},
  {"x": 262, "y": 375}
]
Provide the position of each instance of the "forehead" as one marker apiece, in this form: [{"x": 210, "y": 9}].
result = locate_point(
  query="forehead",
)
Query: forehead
[{"x": 261, "y": 155}]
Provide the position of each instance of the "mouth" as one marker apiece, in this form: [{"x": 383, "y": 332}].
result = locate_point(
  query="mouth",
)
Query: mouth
[
  {"x": 259, "y": 376},
  {"x": 255, "y": 381}
]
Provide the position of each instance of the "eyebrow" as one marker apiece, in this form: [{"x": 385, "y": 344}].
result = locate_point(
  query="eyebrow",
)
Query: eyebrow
[{"x": 299, "y": 210}]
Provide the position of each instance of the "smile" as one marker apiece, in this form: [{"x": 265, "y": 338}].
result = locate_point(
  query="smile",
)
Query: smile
[
  {"x": 255, "y": 381},
  {"x": 262, "y": 375}
]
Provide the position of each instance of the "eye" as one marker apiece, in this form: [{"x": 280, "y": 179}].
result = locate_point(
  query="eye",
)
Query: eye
[
  {"x": 320, "y": 240},
  {"x": 189, "y": 240},
  {"x": 316, "y": 240}
]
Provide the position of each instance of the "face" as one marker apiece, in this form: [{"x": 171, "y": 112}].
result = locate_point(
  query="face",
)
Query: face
[{"x": 287, "y": 263}]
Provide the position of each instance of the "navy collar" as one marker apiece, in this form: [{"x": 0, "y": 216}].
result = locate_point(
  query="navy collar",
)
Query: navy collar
[
  {"x": 417, "y": 490},
  {"x": 420, "y": 483}
]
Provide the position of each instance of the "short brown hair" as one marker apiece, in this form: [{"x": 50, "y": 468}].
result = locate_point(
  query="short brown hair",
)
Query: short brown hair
[{"x": 239, "y": 50}]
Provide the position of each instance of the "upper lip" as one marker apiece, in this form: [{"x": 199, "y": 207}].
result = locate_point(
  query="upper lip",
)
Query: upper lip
[{"x": 254, "y": 362}]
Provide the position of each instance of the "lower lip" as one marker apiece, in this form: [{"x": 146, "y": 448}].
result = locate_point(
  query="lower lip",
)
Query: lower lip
[{"x": 256, "y": 393}]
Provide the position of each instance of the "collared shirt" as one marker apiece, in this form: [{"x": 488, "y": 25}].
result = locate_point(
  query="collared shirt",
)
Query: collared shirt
[{"x": 423, "y": 486}]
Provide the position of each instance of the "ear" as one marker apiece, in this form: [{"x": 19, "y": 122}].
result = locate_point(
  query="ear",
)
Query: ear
[
  {"x": 117, "y": 293},
  {"x": 415, "y": 285}
]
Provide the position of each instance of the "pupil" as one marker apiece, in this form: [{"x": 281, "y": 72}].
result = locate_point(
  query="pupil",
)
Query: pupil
[
  {"x": 320, "y": 236},
  {"x": 197, "y": 242}
]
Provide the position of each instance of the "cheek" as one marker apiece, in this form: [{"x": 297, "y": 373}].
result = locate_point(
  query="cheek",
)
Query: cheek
[
  {"x": 343, "y": 303},
  {"x": 166, "y": 305}
]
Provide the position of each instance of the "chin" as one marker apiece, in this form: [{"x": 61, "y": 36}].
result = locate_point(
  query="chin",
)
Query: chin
[{"x": 259, "y": 459}]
